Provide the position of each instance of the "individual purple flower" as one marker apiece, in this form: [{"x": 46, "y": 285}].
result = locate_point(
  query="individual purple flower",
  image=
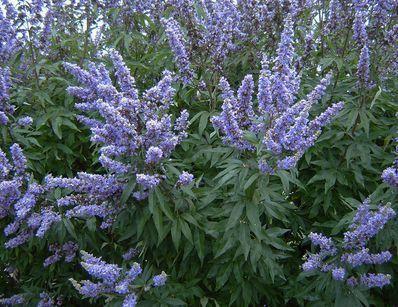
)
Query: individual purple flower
[
  {"x": 132, "y": 252},
  {"x": 69, "y": 250},
  {"x": 181, "y": 124},
  {"x": 364, "y": 257},
  {"x": 130, "y": 301},
  {"x": 222, "y": 29},
  {"x": 52, "y": 259},
  {"x": 244, "y": 106},
  {"x": 230, "y": 121},
  {"x": 18, "y": 240},
  {"x": 25, "y": 121},
  {"x": 98, "y": 268},
  {"x": 18, "y": 158},
  {"x": 153, "y": 155},
  {"x": 126, "y": 81},
  {"x": 99, "y": 186},
  {"x": 148, "y": 181},
  {"x": 49, "y": 217},
  {"x": 371, "y": 280},
  {"x": 338, "y": 274},
  {"x": 352, "y": 281},
  {"x": 312, "y": 263},
  {"x": 140, "y": 195},
  {"x": 264, "y": 95},
  {"x": 390, "y": 176},
  {"x": 19, "y": 198},
  {"x": 134, "y": 271},
  {"x": 28, "y": 201},
  {"x": 89, "y": 289},
  {"x": 14, "y": 300},
  {"x": 309, "y": 44},
  {"x": 113, "y": 165},
  {"x": 46, "y": 32},
  {"x": 5, "y": 85},
  {"x": 382, "y": 12},
  {"x": 287, "y": 162},
  {"x": 45, "y": 300},
  {"x": 265, "y": 168},
  {"x": 325, "y": 244},
  {"x": 185, "y": 179},
  {"x": 160, "y": 280}
]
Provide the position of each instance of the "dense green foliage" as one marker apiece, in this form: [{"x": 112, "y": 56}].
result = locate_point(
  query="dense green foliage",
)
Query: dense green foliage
[{"x": 235, "y": 236}]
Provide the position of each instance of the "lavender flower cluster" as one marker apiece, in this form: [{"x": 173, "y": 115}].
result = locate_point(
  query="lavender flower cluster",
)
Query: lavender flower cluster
[
  {"x": 373, "y": 13},
  {"x": 25, "y": 121},
  {"x": 390, "y": 174},
  {"x": 113, "y": 280},
  {"x": 177, "y": 44},
  {"x": 20, "y": 200},
  {"x": 216, "y": 28},
  {"x": 25, "y": 24},
  {"x": 67, "y": 250},
  {"x": 282, "y": 125},
  {"x": 131, "y": 253},
  {"x": 17, "y": 299},
  {"x": 353, "y": 252},
  {"x": 5, "y": 107},
  {"x": 9, "y": 42},
  {"x": 131, "y": 125},
  {"x": 90, "y": 195}
]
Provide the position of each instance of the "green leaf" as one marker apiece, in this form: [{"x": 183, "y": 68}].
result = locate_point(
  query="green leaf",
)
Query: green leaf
[
  {"x": 235, "y": 215},
  {"x": 174, "y": 301},
  {"x": 250, "y": 181},
  {"x": 199, "y": 242},
  {"x": 284, "y": 176},
  {"x": 204, "y": 118},
  {"x": 372, "y": 104},
  {"x": 186, "y": 230},
  {"x": 70, "y": 228},
  {"x": 158, "y": 221},
  {"x": 56, "y": 126},
  {"x": 176, "y": 234},
  {"x": 127, "y": 190},
  {"x": 252, "y": 214}
]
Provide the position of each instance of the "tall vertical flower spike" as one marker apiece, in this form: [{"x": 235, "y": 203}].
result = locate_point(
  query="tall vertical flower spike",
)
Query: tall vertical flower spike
[
  {"x": 178, "y": 46},
  {"x": 360, "y": 35},
  {"x": 363, "y": 70},
  {"x": 5, "y": 85}
]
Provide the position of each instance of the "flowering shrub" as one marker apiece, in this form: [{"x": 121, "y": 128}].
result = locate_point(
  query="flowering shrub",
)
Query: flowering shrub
[{"x": 185, "y": 152}]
